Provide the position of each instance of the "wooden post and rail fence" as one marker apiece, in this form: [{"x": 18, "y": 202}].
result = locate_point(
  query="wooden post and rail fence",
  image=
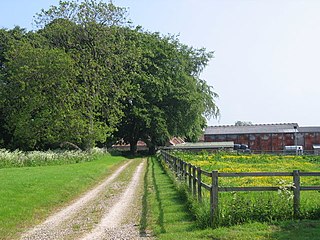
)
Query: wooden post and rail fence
[{"x": 192, "y": 174}]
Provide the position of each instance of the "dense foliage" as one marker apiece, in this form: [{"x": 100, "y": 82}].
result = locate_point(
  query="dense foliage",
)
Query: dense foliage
[{"x": 87, "y": 77}]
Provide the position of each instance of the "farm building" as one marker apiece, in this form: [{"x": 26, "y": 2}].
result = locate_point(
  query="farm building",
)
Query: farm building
[
  {"x": 266, "y": 137},
  {"x": 199, "y": 146}
]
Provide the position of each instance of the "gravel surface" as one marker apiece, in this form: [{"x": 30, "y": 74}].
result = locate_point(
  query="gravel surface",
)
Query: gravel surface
[{"x": 109, "y": 211}]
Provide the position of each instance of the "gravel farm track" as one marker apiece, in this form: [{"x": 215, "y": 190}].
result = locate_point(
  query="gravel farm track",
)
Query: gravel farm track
[{"x": 111, "y": 210}]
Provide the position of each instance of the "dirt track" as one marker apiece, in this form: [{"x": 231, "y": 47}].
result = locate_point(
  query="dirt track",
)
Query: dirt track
[{"x": 109, "y": 211}]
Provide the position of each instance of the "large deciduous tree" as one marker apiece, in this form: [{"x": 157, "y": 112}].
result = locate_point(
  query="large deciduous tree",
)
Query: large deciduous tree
[
  {"x": 90, "y": 33},
  {"x": 83, "y": 13},
  {"x": 87, "y": 76},
  {"x": 167, "y": 97},
  {"x": 7, "y": 37},
  {"x": 243, "y": 123},
  {"x": 41, "y": 100}
]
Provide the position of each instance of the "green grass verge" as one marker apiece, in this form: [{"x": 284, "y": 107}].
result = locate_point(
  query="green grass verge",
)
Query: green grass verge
[
  {"x": 168, "y": 215},
  {"x": 167, "y": 211},
  {"x": 29, "y": 194}
]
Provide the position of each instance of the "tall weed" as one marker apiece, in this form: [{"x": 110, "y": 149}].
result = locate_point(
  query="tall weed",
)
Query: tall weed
[
  {"x": 37, "y": 158},
  {"x": 237, "y": 208}
]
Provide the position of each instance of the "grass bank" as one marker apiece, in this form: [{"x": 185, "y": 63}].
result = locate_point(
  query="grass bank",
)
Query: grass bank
[
  {"x": 29, "y": 194},
  {"x": 168, "y": 215}
]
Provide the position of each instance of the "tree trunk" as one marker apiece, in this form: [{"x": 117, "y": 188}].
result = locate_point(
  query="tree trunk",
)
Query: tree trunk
[
  {"x": 151, "y": 146},
  {"x": 152, "y": 149},
  {"x": 70, "y": 144},
  {"x": 133, "y": 147}
]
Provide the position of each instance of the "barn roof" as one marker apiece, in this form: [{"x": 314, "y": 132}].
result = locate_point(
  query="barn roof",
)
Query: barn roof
[
  {"x": 309, "y": 129},
  {"x": 256, "y": 128},
  {"x": 202, "y": 145}
]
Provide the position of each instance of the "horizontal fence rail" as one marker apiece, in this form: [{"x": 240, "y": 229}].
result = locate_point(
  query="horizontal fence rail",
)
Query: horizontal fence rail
[{"x": 193, "y": 175}]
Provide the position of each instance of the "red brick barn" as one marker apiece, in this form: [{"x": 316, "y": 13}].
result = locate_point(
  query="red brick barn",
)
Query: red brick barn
[
  {"x": 265, "y": 137},
  {"x": 308, "y": 137}
]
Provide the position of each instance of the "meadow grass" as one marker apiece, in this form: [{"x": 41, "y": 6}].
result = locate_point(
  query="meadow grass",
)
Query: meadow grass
[
  {"x": 168, "y": 211},
  {"x": 29, "y": 194},
  {"x": 240, "y": 207}
]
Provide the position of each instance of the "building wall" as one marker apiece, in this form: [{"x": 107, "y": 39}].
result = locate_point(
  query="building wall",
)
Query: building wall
[
  {"x": 268, "y": 141},
  {"x": 277, "y": 142},
  {"x": 310, "y": 139}
]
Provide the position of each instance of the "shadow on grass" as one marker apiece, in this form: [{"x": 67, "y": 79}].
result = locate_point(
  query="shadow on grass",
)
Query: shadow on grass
[
  {"x": 160, "y": 207},
  {"x": 173, "y": 214},
  {"x": 297, "y": 230},
  {"x": 128, "y": 154},
  {"x": 145, "y": 208}
]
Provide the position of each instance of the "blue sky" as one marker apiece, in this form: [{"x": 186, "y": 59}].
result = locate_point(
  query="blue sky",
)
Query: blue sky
[{"x": 266, "y": 65}]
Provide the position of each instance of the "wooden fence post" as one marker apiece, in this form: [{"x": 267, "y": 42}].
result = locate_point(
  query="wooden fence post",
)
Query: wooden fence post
[
  {"x": 190, "y": 171},
  {"x": 185, "y": 171},
  {"x": 199, "y": 184},
  {"x": 296, "y": 193},
  {"x": 190, "y": 184},
  {"x": 214, "y": 211},
  {"x": 194, "y": 181},
  {"x": 181, "y": 170},
  {"x": 178, "y": 168}
]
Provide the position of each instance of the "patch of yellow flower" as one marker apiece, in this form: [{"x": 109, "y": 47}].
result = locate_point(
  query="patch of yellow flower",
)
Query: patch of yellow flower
[
  {"x": 255, "y": 163},
  {"x": 237, "y": 157}
]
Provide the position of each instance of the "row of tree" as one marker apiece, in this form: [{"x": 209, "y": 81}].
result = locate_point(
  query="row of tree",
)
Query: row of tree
[{"x": 88, "y": 77}]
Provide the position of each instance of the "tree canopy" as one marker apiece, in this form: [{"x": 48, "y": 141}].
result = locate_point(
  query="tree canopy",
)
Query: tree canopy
[
  {"x": 87, "y": 77},
  {"x": 243, "y": 123}
]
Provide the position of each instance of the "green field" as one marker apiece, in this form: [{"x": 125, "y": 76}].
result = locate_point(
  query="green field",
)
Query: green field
[
  {"x": 29, "y": 194},
  {"x": 240, "y": 207}
]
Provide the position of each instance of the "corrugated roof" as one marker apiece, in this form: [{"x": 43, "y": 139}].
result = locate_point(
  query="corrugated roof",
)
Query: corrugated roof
[
  {"x": 308, "y": 129},
  {"x": 257, "y": 128},
  {"x": 176, "y": 140},
  {"x": 203, "y": 145}
]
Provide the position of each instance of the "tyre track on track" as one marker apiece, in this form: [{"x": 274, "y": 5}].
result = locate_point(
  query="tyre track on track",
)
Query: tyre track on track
[
  {"x": 112, "y": 220},
  {"x": 107, "y": 227}
]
